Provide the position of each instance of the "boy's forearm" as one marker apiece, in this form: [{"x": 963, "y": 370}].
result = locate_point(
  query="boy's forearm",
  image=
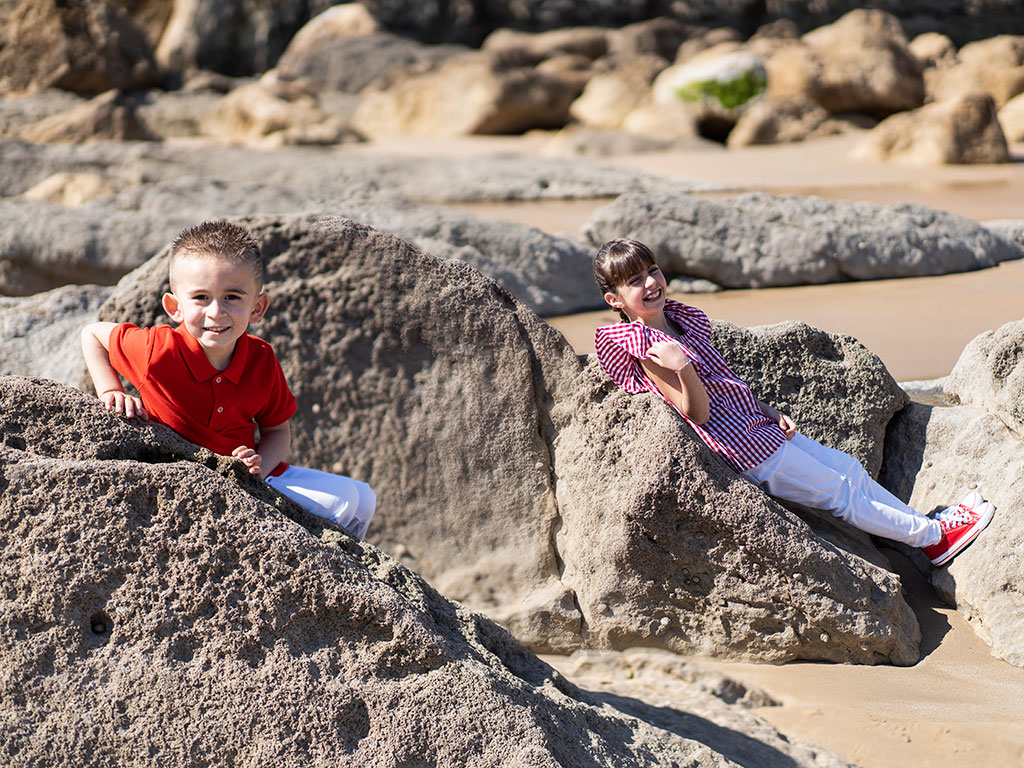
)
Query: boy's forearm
[
  {"x": 97, "y": 360},
  {"x": 273, "y": 447}
]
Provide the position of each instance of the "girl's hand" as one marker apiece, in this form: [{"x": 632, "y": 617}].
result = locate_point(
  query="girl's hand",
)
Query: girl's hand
[
  {"x": 249, "y": 457},
  {"x": 127, "y": 405},
  {"x": 668, "y": 355},
  {"x": 788, "y": 425}
]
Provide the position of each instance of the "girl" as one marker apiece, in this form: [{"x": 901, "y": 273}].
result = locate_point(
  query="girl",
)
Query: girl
[{"x": 664, "y": 347}]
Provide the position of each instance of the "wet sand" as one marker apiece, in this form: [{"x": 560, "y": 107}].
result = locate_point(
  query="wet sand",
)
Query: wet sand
[{"x": 958, "y": 705}]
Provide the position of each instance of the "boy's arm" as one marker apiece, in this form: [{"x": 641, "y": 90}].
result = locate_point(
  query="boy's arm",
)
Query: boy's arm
[
  {"x": 95, "y": 346},
  {"x": 783, "y": 420},
  {"x": 676, "y": 378},
  {"x": 273, "y": 447}
]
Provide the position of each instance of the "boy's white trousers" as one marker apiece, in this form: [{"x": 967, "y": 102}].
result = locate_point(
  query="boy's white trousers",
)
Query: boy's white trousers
[
  {"x": 347, "y": 502},
  {"x": 808, "y": 473}
]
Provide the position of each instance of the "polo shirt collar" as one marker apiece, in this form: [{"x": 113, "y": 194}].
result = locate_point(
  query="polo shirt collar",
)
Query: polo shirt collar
[{"x": 202, "y": 369}]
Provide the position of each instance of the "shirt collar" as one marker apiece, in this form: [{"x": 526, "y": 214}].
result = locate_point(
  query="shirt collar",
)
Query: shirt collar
[{"x": 202, "y": 369}]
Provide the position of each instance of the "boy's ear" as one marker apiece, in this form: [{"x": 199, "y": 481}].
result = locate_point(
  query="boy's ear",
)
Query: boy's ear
[
  {"x": 260, "y": 308},
  {"x": 613, "y": 300},
  {"x": 172, "y": 307}
]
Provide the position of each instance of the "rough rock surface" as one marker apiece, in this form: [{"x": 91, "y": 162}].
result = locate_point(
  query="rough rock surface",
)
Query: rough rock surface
[
  {"x": 990, "y": 375},
  {"x": 517, "y": 479},
  {"x": 473, "y": 93},
  {"x": 757, "y": 240},
  {"x": 85, "y": 47},
  {"x": 109, "y": 116},
  {"x": 963, "y": 130},
  {"x": 39, "y": 335},
  {"x": 18, "y": 112},
  {"x": 994, "y": 66},
  {"x": 610, "y": 96},
  {"x": 1011, "y": 118},
  {"x": 154, "y": 595},
  {"x": 774, "y": 120},
  {"x": 933, "y": 456}
]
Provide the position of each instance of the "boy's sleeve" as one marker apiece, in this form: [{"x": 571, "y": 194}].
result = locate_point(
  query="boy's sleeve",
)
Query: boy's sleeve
[
  {"x": 129, "y": 350},
  {"x": 280, "y": 405}
]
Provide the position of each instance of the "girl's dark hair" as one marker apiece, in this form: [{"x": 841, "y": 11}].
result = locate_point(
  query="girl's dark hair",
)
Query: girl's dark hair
[{"x": 617, "y": 261}]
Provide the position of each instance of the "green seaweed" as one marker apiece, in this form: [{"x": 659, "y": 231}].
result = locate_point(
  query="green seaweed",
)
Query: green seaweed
[{"x": 730, "y": 94}]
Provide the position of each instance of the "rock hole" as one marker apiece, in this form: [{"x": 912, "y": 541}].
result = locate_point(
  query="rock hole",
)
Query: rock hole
[{"x": 101, "y": 624}]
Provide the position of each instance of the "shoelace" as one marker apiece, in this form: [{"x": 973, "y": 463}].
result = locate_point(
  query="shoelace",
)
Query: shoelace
[{"x": 957, "y": 515}]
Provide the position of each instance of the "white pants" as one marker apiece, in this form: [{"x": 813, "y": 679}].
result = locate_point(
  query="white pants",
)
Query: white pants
[
  {"x": 347, "y": 502},
  {"x": 808, "y": 473}
]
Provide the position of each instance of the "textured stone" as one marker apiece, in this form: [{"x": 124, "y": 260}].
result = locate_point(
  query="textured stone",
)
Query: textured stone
[
  {"x": 85, "y": 46},
  {"x": 517, "y": 479},
  {"x": 933, "y": 49},
  {"x": 934, "y": 455},
  {"x": 467, "y": 94},
  {"x": 18, "y": 112},
  {"x": 109, "y": 116},
  {"x": 39, "y": 335},
  {"x": 71, "y": 189},
  {"x": 1011, "y": 118},
  {"x": 757, "y": 240},
  {"x": 610, "y": 96},
  {"x": 963, "y": 130},
  {"x": 990, "y": 375},
  {"x": 774, "y": 120},
  {"x": 156, "y": 595}
]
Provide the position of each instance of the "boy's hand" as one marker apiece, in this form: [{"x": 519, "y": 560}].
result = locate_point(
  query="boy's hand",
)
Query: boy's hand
[
  {"x": 788, "y": 425},
  {"x": 126, "y": 405},
  {"x": 668, "y": 355},
  {"x": 249, "y": 457}
]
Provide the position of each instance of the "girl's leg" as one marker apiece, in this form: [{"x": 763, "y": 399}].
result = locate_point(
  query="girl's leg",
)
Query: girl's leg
[
  {"x": 348, "y": 503},
  {"x": 805, "y": 472}
]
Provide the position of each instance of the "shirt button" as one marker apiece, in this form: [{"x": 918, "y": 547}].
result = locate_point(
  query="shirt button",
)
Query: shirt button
[
  {"x": 220, "y": 409},
  {"x": 218, "y": 379}
]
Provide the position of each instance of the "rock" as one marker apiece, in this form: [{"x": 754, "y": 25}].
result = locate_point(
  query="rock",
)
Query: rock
[
  {"x": 1010, "y": 230},
  {"x": 990, "y": 375},
  {"x": 692, "y": 285},
  {"x": 591, "y": 42},
  {"x": 658, "y": 37},
  {"x": 274, "y": 112},
  {"x": 723, "y": 39},
  {"x": 39, "y": 335},
  {"x": 933, "y": 49},
  {"x": 79, "y": 46},
  {"x": 17, "y": 113},
  {"x": 338, "y": 21},
  {"x": 1011, "y": 118},
  {"x": 155, "y": 592},
  {"x": 757, "y": 240},
  {"x": 720, "y": 87},
  {"x": 577, "y": 140},
  {"x": 776, "y": 120},
  {"x": 933, "y": 456},
  {"x": 644, "y": 680},
  {"x": 71, "y": 189},
  {"x": 965, "y": 130},
  {"x": 676, "y": 121},
  {"x": 350, "y": 63},
  {"x": 515, "y": 478},
  {"x": 610, "y": 96},
  {"x": 109, "y": 116},
  {"x": 175, "y": 114},
  {"x": 994, "y": 66},
  {"x": 467, "y": 94},
  {"x": 861, "y": 63}
]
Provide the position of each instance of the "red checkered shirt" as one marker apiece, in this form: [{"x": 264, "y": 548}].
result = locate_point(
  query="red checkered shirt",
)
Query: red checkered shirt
[{"x": 736, "y": 430}]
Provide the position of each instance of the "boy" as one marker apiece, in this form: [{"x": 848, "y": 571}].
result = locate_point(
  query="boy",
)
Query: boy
[
  {"x": 664, "y": 347},
  {"x": 211, "y": 381}
]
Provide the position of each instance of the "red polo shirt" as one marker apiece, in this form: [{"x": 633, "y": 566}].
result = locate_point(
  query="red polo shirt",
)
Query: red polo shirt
[{"x": 218, "y": 410}]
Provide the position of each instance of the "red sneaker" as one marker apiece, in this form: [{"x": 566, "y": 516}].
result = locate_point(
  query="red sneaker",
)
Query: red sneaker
[{"x": 960, "y": 526}]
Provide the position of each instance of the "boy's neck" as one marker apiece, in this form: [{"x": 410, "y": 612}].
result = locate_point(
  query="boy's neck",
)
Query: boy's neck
[{"x": 220, "y": 360}]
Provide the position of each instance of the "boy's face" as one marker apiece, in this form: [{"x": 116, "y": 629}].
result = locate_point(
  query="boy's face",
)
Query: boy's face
[
  {"x": 215, "y": 301},
  {"x": 641, "y": 295}
]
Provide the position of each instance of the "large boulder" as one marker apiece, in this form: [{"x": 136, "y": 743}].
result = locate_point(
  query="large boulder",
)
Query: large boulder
[
  {"x": 109, "y": 116},
  {"x": 85, "y": 46},
  {"x": 757, "y": 240},
  {"x": 610, "y": 96},
  {"x": 1011, "y": 118},
  {"x": 349, "y": 63},
  {"x": 156, "y": 595},
  {"x": 517, "y": 479},
  {"x": 39, "y": 335},
  {"x": 861, "y": 63},
  {"x": 471, "y": 93},
  {"x": 994, "y": 66},
  {"x": 990, "y": 375},
  {"x": 775, "y": 119},
  {"x": 962, "y": 130}
]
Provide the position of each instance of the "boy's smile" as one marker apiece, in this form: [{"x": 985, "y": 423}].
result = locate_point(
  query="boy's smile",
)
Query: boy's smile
[{"x": 216, "y": 301}]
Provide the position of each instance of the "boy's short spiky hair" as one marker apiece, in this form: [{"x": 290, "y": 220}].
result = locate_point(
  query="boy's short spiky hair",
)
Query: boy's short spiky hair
[{"x": 219, "y": 240}]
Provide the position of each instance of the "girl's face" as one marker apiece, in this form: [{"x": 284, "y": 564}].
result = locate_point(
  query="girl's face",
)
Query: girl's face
[{"x": 642, "y": 295}]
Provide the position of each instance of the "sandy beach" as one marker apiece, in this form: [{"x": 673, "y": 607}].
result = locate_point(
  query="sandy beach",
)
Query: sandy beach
[{"x": 958, "y": 705}]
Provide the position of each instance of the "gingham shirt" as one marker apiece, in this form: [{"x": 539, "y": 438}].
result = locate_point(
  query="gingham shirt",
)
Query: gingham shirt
[{"x": 736, "y": 430}]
